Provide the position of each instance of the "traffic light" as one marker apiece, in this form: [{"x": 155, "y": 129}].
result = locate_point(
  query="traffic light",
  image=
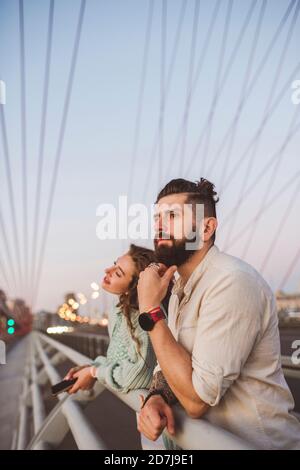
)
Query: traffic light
[{"x": 10, "y": 324}]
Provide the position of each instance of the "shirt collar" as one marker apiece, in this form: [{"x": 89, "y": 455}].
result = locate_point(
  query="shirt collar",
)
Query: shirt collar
[{"x": 196, "y": 274}]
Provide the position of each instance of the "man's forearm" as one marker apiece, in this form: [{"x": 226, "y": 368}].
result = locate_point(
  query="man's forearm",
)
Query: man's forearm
[
  {"x": 176, "y": 365},
  {"x": 159, "y": 383}
]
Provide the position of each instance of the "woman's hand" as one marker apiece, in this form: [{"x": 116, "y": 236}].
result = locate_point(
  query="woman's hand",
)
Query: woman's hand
[
  {"x": 84, "y": 380},
  {"x": 70, "y": 374}
]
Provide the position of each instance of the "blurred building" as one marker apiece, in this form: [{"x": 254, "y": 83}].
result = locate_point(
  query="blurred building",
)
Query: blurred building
[
  {"x": 15, "y": 317},
  {"x": 4, "y": 313},
  {"x": 288, "y": 307},
  {"x": 44, "y": 319},
  {"x": 288, "y": 301}
]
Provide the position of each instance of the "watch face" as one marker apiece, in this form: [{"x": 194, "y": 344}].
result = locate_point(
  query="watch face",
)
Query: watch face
[{"x": 146, "y": 322}]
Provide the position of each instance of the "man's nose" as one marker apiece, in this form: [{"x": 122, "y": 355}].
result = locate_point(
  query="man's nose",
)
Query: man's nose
[{"x": 159, "y": 226}]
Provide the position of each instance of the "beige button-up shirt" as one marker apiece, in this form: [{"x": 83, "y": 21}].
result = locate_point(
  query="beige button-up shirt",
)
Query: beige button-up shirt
[{"x": 226, "y": 318}]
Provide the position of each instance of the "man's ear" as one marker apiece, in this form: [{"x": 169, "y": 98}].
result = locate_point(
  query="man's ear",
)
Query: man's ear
[{"x": 210, "y": 226}]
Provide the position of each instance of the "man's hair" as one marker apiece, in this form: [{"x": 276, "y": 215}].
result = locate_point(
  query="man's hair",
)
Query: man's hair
[{"x": 199, "y": 192}]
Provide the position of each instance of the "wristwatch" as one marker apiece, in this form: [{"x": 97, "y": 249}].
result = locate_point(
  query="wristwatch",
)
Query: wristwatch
[{"x": 148, "y": 319}]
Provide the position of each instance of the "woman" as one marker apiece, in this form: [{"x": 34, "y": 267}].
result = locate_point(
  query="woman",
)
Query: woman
[{"x": 130, "y": 359}]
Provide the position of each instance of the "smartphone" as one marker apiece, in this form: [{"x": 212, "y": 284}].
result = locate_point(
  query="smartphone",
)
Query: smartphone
[{"x": 62, "y": 386}]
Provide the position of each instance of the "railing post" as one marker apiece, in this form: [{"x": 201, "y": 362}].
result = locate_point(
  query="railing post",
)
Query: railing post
[
  {"x": 23, "y": 422},
  {"x": 39, "y": 414},
  {"x": 83, "y": 432}
]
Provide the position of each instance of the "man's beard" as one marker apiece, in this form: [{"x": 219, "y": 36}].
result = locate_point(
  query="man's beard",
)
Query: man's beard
[{"x": 175, "y": 254}]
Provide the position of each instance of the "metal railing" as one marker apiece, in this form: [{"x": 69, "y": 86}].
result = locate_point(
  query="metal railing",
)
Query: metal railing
[
  {"x": 49, "y": 430},
  {"x": 89, "y": 344},
  {"x": 289, "y": 368}
]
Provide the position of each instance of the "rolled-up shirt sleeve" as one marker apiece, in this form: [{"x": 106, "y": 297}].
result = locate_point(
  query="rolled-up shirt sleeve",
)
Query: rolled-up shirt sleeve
[{"x": 228, "y": 327}]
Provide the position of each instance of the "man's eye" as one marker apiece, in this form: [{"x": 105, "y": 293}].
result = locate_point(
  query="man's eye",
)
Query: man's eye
[{"x": 118, "y": 274}]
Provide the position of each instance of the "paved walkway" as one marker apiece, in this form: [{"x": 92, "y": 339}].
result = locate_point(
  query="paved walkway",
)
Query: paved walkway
[{"x": 11, "y": 377}]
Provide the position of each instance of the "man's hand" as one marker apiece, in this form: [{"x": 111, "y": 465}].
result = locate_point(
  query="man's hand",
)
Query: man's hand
[
  {"x": 153, "y": 285},
  {"x": 154, "y": 417}
]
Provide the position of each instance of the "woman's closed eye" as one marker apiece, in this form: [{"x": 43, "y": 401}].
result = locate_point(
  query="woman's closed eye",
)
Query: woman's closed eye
[{"x": 118, "y": 270}]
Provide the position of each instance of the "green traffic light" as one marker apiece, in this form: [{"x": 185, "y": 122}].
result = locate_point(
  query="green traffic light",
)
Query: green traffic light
[
  {"x": 10, "y": 322},
  {"x": 11, "y": 330}
]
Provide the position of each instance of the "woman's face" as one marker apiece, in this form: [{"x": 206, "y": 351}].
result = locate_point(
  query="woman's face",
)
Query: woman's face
[{"x": 119, "y": 276}]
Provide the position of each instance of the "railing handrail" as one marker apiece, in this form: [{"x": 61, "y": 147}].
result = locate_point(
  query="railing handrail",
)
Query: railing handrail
[
  {"x": 193, "y": 434},
  {"x": 74, "y": 356},
  {"x": 287, "y": 361},
  {"x": 49, "y": 430},
  {"x": 81, "y": 335}
]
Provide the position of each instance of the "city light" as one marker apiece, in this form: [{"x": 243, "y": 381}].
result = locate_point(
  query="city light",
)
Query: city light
[
  {"x": 69, "y": 311},
  {"x": 103, "y": 322},
  {"x": 59, "y": 329},
  {"x": 11, "y": 330},
  {"x": 82, "y": 298},
  {"x": 10, "y": 322}
]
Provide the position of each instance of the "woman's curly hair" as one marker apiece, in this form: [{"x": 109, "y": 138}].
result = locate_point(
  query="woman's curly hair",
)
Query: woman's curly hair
[{"x": 128, "y": 301}]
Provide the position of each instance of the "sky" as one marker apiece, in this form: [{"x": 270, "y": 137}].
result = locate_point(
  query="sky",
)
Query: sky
[{"x": 126, "y": 92}]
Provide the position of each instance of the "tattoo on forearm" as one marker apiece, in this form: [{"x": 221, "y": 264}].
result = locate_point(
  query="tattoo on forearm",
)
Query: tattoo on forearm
[{"x": 159, "y": 383}]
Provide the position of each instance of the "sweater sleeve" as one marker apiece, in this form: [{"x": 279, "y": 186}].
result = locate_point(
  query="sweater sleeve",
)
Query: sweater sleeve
[
  {"x": 112, "y": 316},
  {"x": 99, "y": 361},
  {"x": 132, "y": 372}
]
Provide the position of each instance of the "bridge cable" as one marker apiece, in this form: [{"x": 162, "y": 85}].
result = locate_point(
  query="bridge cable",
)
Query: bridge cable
[
  {"x": 11, "y": 195},
  {"x": 39, "y": 180},
  {"x": 254, "y": 80},
  {"x": 257, "y": 142},
  {"x": 218, "y": 89},
  {"x": 24, "y": 142},
  {"x": 140, "y": 100},
  {"x": 189, "y": 84},
  {"x": 59, "y": 149},
  {"x": 154, "y": 147}
]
